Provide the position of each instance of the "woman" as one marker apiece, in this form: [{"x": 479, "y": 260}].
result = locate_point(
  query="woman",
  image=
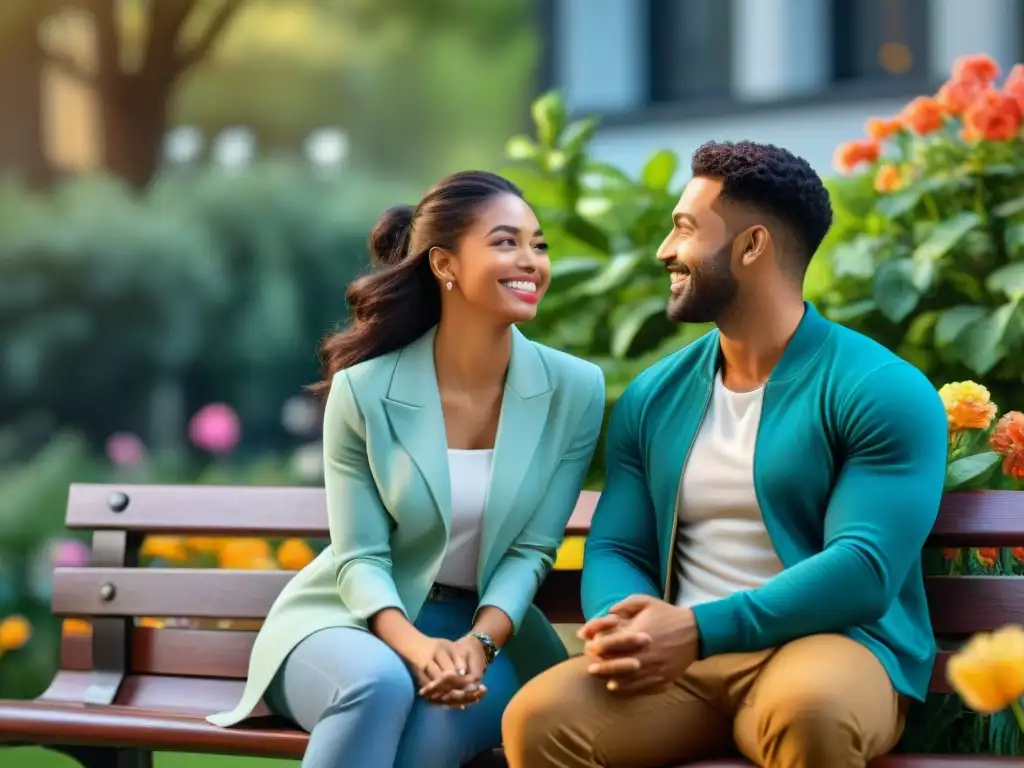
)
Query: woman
[{"x": 455, "y": 450}]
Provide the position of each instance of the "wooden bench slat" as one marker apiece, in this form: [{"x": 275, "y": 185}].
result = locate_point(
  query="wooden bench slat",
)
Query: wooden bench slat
[
  {"x": 980, "y": 519},
  {"x": 228, "y": 511},
  {"x": 222, "y": 594},
  {"x": 962, "y": 605}
]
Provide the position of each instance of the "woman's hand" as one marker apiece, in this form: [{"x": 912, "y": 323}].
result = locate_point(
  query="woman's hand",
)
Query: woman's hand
[{"x": 451, "y": 673}]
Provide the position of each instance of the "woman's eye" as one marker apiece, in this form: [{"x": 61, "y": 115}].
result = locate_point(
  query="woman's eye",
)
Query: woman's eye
[
  {"x": 508, "y": 241},
  {"x": 543, "y": 247}
]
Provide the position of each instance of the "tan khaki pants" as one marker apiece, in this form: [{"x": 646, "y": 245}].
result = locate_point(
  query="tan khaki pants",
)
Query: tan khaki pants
[{"x": 818, "y": 702}]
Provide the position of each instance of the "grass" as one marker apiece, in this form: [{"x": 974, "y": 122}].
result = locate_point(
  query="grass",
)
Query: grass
[{"x": 33, "y": 757}]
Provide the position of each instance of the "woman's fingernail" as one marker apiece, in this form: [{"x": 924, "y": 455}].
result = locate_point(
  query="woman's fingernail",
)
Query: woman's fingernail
[
  {"x": 593, "y": 668},
  {"x": 612, "y": 685},
  {"x": 462, "y": 671}
]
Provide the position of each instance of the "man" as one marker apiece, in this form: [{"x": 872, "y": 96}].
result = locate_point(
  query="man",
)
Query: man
[{"x": 752, "y": 579}]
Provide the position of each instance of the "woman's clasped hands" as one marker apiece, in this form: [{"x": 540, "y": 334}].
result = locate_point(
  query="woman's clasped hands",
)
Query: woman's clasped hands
[{"x": 450, "y": 673}]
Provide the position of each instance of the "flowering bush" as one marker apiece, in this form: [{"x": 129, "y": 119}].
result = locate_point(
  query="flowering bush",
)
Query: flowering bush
[{"x": 927, "y": 251}]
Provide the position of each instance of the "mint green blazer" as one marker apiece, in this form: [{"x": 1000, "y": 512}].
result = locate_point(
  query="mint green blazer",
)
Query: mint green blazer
[{"x": 389, "y": 506}]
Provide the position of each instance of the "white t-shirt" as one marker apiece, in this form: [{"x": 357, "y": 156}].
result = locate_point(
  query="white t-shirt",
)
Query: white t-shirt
[
  {"x": 470, "y": 473},
  {"x": 722, "y": 545}
]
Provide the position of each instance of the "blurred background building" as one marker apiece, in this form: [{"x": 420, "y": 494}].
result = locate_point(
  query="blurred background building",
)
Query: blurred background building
[{"x": 803, "y": 74}]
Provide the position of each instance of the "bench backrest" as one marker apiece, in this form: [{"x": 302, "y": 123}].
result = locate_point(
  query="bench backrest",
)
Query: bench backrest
[{"x": 201, "y": 669}]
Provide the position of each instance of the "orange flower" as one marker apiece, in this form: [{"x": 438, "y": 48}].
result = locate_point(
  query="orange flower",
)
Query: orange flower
[
  {"x": 246, "y": 554},
  {"x": 987, "y": 556},
  {"x": 988, "y": 672},
  {"x": 881, "y": 128},
  {"x": 1014, "y": 85},
  {"x": 978, "y": 67},
  {"x": 923, "y": 115},
  {"x": 15, "y": 631},
  {"x": 850, "y": 154},
  {"x": 993, "y": 116},
  {"x": 295, "y": 554},
  {"x": 1018, "y": 553},
  {"x": 204, "y": 544},
  {"x": 957, "y": 95},
  {"x": 968, "y": 405},
  {"x": 951, "y": 554},
  {"x": 76, "y": 627},
  {"x": 1008, "y": 436},
  {"x": 169, "y": 548},
  {"x": 888, "y": 179}
]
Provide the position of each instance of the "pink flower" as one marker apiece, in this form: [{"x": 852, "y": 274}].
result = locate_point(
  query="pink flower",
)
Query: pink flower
[
  {"x": 215, "y": 428},
  {"x": 69, "y": 553},
  {"x": 125, "y": 449}
]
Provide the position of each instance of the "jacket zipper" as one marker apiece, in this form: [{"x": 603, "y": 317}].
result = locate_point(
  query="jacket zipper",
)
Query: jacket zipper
[{"x": 675, "y": 504}]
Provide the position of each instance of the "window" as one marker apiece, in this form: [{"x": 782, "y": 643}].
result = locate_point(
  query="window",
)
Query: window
[
  {"x": 877, "y": 40},
  {"x": 690, "y": 49}
]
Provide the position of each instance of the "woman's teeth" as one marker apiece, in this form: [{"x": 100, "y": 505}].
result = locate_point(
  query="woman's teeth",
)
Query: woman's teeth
[{"x": 520, "y": 285}]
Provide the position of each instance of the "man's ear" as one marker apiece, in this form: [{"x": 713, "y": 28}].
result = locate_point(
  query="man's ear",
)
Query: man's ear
[{"x": 753, "y": 243}]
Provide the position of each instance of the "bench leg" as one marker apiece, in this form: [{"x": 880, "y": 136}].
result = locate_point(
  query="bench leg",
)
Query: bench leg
[{"x": 108, "y": 757}]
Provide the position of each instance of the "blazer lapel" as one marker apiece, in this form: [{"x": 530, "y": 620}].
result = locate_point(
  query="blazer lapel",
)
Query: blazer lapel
[
  {"x": 413, "y": 407},
  {"x": 524, "y": 411}
]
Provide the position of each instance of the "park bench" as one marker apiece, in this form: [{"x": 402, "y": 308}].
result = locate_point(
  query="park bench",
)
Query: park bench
[{"x": 130, "y": 690}]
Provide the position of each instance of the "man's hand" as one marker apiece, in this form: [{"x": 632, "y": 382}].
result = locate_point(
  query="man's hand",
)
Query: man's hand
[{"x": 642, "y": 644}]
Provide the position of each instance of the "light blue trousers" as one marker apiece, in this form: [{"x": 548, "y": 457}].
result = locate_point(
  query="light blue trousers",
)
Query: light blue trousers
[{"x": 357, "y": 698}]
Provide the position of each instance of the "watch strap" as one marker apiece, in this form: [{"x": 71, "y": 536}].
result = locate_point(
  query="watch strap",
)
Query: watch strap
[{"x": 490, "y": 648}]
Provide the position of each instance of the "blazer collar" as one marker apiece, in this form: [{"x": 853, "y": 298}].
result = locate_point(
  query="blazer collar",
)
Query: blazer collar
[
  {"x": 415, "y": 372},
  {"x": 808, "y": 339}
]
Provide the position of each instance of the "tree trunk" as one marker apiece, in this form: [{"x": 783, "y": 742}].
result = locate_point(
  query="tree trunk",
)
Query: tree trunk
[
  {"x": 134, "y": 116},
  {"x": 21, "y": 129}
]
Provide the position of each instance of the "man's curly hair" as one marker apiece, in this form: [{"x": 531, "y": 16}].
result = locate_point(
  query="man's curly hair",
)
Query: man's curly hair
[{"x": 772, "y": 180}]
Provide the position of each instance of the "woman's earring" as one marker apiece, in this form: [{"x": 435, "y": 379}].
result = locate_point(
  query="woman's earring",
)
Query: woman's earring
[{"x": 449, "y": 285}]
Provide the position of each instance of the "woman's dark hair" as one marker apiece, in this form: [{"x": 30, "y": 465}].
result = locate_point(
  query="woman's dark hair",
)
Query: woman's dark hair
[{"x": 400, "y": 299}]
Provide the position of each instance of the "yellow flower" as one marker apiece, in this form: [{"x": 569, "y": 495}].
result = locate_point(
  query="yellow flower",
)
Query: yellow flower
[
  {"x": 76, "y": 627},
  {"x": 968, "y": 405},
  {"x": 246, "y": 555},
  {"x": 988, "y": 672},
  {"x": 150, "y": 623},
  {"x": 169, "y": 548},
  {"x": 15, "y": 631},
  {"x": 294, "y": 554},
  {"x": 570, "y": 554},
  {"x": 204, "y": 544}
]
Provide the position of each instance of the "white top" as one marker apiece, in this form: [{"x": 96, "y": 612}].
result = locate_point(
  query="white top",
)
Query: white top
[
  {"x": 470, "y": 473},
  {"x": 722, "y": 546}
]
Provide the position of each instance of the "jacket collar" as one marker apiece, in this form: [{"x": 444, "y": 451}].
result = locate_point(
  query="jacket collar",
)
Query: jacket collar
[{"x": 810, "y": 335}]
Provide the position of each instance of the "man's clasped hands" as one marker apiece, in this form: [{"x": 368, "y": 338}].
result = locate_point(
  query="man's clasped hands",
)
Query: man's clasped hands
[{"x": 641, "y": 645}]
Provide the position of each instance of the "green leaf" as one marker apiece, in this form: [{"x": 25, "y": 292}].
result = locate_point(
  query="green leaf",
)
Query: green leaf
[
  {"x": 629, "y": 326},
  {"x": 969, "y": 469},
  {"x": 847, "y": 312},
  {"x": 946, "y": 235},
  {"x": 549, "y": 118},
  {"x": 1014, "y": 238},
  {"x": 1010, "y": 207},
  {"x": 658, "y": 172},
  {"x": 588, "y": 232},
  {"x": 521, "y": 148},
  {"x": 980, "y": 346},
  {"x": 899, "y": 204},
  {"x": 952, "y": 322},
  {"x": 615, "y": 273},
  {"x": 1008, "y": 279},
  {"x": 855, "y": 259},
  {"x": 895, "y": 293},
  {"x": 571, "y": 270},
  {"x": 578, "y": 135}
]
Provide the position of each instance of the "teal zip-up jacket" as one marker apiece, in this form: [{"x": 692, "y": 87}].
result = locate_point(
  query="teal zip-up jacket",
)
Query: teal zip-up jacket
[{"x": 848, "y": 470}]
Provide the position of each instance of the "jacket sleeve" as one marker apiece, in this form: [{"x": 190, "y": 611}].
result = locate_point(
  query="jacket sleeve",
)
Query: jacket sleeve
[
  {"x": 360, "y": 525},
  {"x": 525, "y": 565},
  {"x": 882, "y": 508},
  {"x": 621, "y": 554}
]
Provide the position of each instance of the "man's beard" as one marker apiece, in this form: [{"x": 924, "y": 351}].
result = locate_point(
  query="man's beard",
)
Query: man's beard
[{"x": 709, "y": 290}]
